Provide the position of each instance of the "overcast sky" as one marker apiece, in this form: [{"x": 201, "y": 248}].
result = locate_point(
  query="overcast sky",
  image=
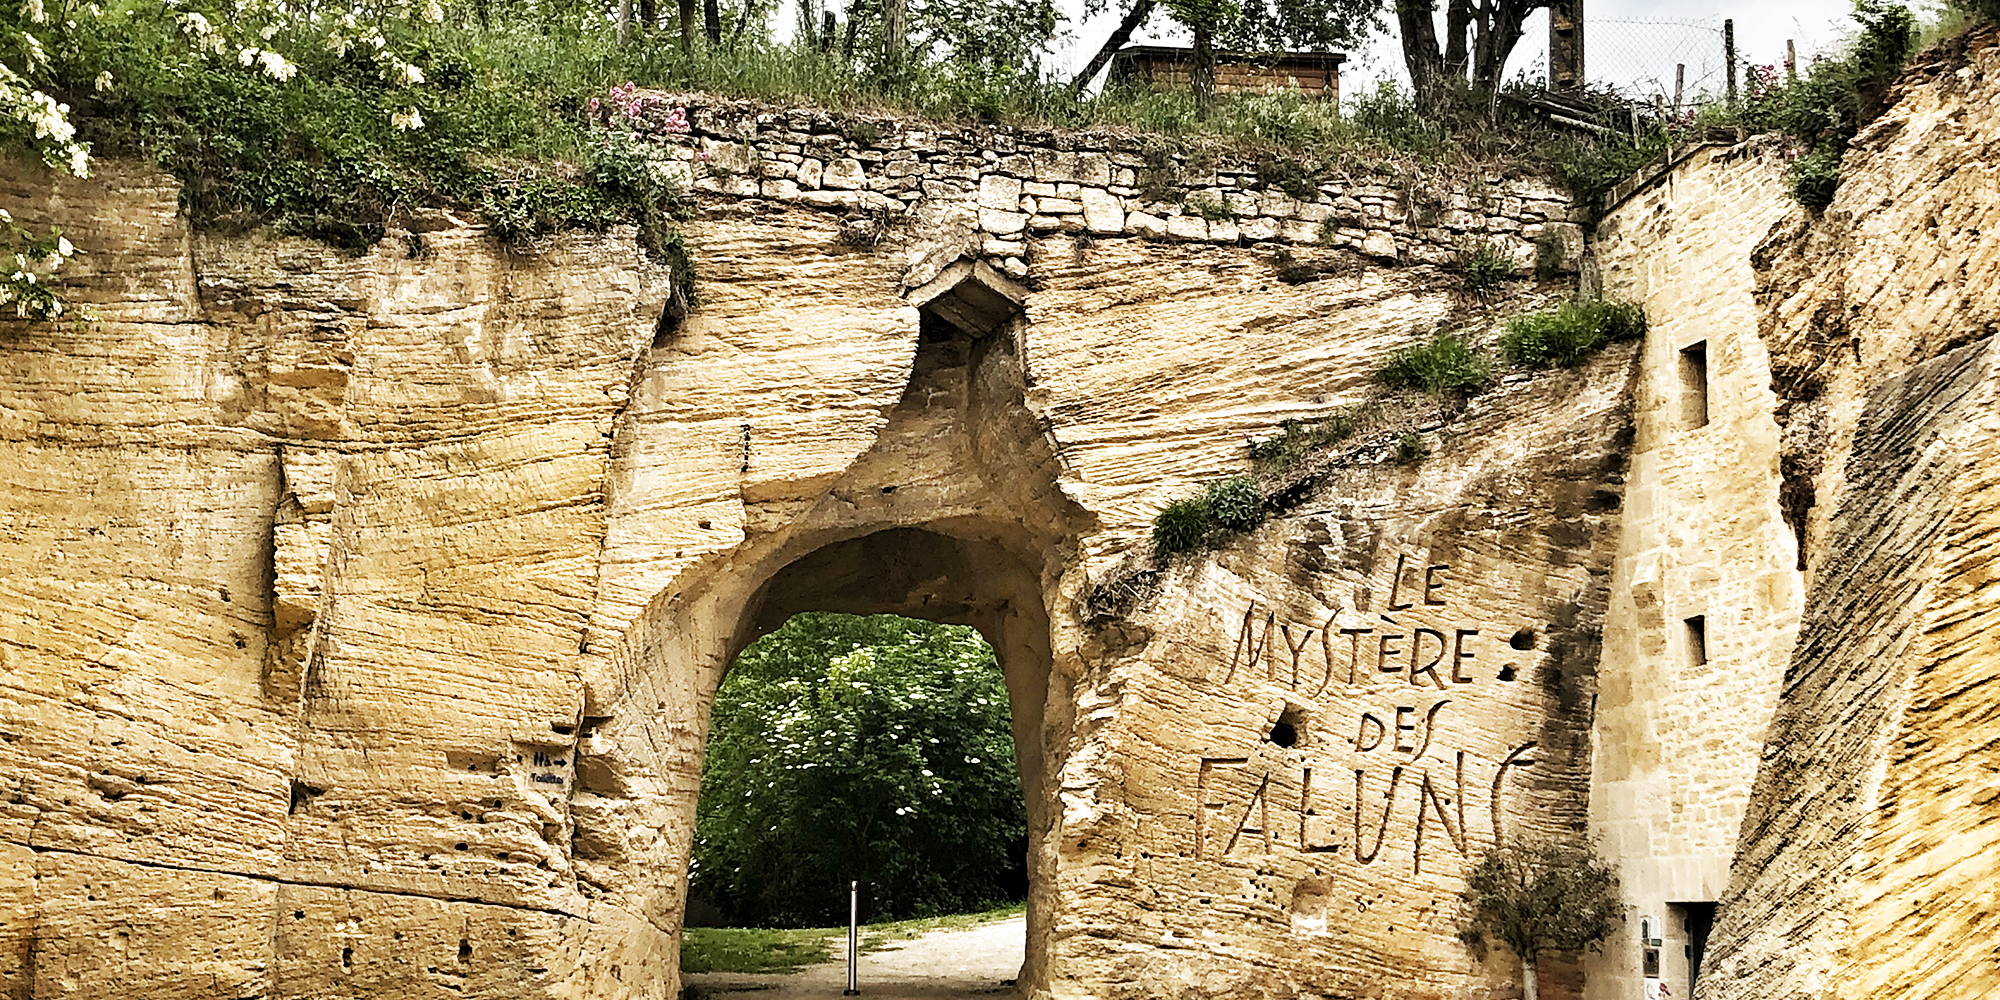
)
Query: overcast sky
[{"x": 1632, "y": 43}]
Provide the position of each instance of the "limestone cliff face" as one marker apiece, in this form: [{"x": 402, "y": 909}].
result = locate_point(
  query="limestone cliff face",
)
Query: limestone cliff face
[
  {"x": 367, "y": 610},
  {"x": 1867, "y": 856}
]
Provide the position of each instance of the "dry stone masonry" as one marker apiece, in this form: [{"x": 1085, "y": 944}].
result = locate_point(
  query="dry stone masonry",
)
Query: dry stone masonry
[{"x": 365, "y": 611}]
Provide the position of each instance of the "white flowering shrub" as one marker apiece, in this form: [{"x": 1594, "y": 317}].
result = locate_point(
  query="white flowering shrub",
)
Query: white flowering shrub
[{"x": 29, "y": 263}]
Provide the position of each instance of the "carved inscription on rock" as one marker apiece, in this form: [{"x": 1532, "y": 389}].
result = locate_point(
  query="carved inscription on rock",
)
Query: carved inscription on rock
[{"x": 1384, "y": 740}]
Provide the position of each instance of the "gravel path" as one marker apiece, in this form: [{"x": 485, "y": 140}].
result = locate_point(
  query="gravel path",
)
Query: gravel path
[{"x": 941, "y": 965}]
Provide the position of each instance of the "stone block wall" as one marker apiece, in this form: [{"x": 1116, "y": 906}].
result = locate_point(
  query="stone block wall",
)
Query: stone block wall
[
  {"x": 1006, "y": 187},
  {"x": 1706, "y": 594}
]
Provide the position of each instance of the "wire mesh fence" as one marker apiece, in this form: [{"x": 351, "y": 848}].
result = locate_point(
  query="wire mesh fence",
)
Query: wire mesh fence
[{"x": 1681, "y": 64}]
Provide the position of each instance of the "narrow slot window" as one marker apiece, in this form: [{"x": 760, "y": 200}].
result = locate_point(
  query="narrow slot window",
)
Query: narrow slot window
[
  {"x": 1697, "y": 640},
  {"x": 1694, "y": 385}
]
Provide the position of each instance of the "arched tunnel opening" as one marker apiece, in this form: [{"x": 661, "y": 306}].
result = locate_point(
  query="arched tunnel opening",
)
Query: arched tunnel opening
[
  {"x": 873, "y": 749},
  {"x": 872, "y": 687}
]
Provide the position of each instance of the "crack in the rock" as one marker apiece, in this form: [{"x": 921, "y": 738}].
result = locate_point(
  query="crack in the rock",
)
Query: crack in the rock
[{"x": 303, "y": 883}]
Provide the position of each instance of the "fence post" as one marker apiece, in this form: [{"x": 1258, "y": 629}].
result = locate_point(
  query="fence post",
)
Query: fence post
[
  {"x": 1566, "y": 46},
  {"x": 1729, "y": 55},
  {"x": 853, "y": 939},
  {"x": 1680, "y": 82},
  {"x": 1791, "y": 62}
]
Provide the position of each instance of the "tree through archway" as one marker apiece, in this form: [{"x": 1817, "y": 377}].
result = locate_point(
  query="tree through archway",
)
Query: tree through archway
[{"x": 876, "y": 749}]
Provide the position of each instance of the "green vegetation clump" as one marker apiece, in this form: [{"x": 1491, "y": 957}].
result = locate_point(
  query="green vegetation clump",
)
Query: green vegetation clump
[
  {"x": 1566, "y": 336},
  {"x": 875, "y": 749},
  {"x": 1540, "y": 898},
  {"x": 1445, "y": 364},
  {"x": 1298, "y": 438},
  {"x": 1484, "y": 266},
  {"x": 1180, "y": 525},
  {"x": 1410, "y": 448},
  {"x": 1211, "y": 208},
  {"x": 1829, "y": 103},
  {"x": 1235, "y": 503}
]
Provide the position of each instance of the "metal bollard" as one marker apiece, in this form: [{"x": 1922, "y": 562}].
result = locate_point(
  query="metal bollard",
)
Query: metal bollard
[{"x": 853, "y": 938}]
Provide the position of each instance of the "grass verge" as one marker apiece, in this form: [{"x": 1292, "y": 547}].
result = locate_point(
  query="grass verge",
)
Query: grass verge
[{"x": 780, "y": 951}]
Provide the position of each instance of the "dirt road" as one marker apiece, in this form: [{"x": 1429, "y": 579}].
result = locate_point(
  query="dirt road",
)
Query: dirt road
[{"x": 942, "y": 965}]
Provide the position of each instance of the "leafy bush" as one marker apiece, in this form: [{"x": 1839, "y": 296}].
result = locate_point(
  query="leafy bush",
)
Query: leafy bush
[
  {"x": 876, "y": 749},
  {"x": 1827, "y": 106},
  {"x": 1541, "y": 898},
  {"x": 1410, "y": 447},
  {"x": 29, "y": 263},
  {"x": 1439, "y": 366},
  {"x": 1566, "y": 336},
  {"x": 1235, "y": 503},
  {"x": 1814, "y": 177},
  {"x": 1180, "y": 525}
]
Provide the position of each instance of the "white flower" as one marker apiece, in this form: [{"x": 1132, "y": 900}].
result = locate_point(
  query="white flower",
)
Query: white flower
[
  {"x": 276, "y": 66},
  {"x": 33, "y": 11},
  {"x": 79, "y": 161},
  {"x": 404, "y": 72},
  {"x": 246, "y": 57},
  {"x": 195, "y": 24},
  {"x": 65, "y": 247},
  {"x": 6, "y": 216},
  {"x": 268, "y": 31},
  {"x": 406, "y": 120},
  {"x": 95, "y": 10},
  {"x": 433, "y": 11},
  {"x": 104, "y": 81}
]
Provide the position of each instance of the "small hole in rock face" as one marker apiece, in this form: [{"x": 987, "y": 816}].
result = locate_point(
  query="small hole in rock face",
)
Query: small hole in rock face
[
  {"x": 705, "y": 525},
  {"x": 347, "y": 958},
  {"x": 1508, "y": 673},
  {"x": 298, "y": 914},
  {"x": 1523, "y": 640},
  {"x": 460, "y": 845},
  {"x": 464, "y": 950},
  {"x": 888, "y": 489},
  {"x": 1284, "y": 735}
]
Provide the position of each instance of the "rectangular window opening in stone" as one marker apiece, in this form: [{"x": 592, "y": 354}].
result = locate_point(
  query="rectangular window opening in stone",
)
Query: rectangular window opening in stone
[
  {"x": 1697, "y": 640},
  {"x": 1694, "y": 385}
]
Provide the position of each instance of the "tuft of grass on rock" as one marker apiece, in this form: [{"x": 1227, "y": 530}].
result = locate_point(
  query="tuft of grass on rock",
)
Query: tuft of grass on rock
[
  {"x": 1568, "y": 335},
  {"x": 1180, "y": 525},
  {"x": 1410, "y": 448},
  {"x": 1445, "y": 364}
]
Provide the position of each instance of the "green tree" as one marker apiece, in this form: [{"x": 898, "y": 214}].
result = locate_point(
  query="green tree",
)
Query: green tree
[
  {"x": 1541, "y": 898},
  {"x": 875, "y": 749},
  {"x": 1473, "y": 50}
]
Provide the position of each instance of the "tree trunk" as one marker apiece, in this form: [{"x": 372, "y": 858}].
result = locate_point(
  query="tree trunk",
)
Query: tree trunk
[
  {"x": 649, "y": 15},
  {"x": 711, "y": 17},
  {"x": 687, "y": 25},
  {"x": 1457, "y": 25},
  {"x": 1531, "y": 987},
  {"x": 624, "y": 20},
  {"x": 895, "y": 32},
  {"x": 1201, "y": 73},
  {"x": 1134, "y": 18},
  {"x": 1420, "y": 50}
]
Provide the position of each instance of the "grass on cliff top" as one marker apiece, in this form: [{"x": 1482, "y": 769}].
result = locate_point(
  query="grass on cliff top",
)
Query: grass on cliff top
[
  {"x": 758, "y": 949},
  {"x": 341, "y": 137}
]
